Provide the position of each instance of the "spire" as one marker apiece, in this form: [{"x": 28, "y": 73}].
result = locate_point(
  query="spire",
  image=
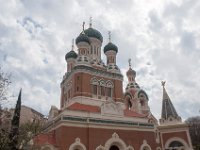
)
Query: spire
[
  {"x": 90, "y": 22},
  {"x": 83, "y": 32},
  {"x": 109, "y": 36},
  {"x": 168, "y": 111},
  {"x": 15, "y": 124}
]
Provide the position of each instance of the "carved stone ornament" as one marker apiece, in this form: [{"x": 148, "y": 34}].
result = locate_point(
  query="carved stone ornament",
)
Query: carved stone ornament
[{"x": 111, "y": 108}]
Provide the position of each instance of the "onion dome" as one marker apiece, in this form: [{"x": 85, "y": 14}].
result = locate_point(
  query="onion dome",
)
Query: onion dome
[
  {"x": 90, "y": 32},
  {"x": 71, "y": 54},
  {"x": 82, "y": 38},
  {"x": 110, "y": 46},
  {"x": 131, "y": 72}
]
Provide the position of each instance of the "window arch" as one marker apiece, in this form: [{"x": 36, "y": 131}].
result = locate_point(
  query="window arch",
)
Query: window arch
[
  {"x": 77, "y": 145},
  {"x": 101, "y": 87},
  {"x": 94, "y": 81},
  {"x": 145, "y": 146},
  {"x": 176, "y": 143},
  {"x": 109, "y": 84}
]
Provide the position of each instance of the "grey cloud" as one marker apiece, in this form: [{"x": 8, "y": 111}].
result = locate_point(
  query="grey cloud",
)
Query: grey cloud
[
  {"x": 187, "y": 42},
  {"x": 30, "y": 25},
  {"x": 155, "y": 22}
]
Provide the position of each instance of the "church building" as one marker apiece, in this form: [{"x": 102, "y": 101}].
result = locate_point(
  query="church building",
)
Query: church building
[{"x": 97, "y": 113}]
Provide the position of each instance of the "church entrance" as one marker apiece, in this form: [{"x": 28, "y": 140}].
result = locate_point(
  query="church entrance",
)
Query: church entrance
[{"x": 114, "y": 148}]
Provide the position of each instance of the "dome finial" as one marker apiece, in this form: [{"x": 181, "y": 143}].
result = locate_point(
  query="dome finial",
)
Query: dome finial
[
  {"x": 90, "y": 22},
  {"x": 129, "y": 61},
  {"x": 109, "y": 36},
  {"x": 83, "y": 27},
  {"x": 72, "y": 44},
  {"x": 163, "y": 83}
]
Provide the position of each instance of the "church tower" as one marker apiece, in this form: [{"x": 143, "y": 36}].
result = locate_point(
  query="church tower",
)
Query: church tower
[
  {"x": 136, "y": 99},
  {"x": 169, "y": 114},
  {"x": 87, "y": 78}
]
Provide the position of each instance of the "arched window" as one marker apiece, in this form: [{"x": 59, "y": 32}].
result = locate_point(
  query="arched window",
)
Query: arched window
[
  {"x": 102, "y": 90},
  {"x": 114, "y": 148},
  {"x": 146, "y": 148},
  {"x": 94, "y": 85},
  {"x": 109, "y": 92},
  {"x": 176, "y": 145}
]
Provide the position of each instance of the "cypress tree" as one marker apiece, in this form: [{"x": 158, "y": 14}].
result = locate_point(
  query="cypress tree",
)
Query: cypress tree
[{"x": 14, "y": 131}]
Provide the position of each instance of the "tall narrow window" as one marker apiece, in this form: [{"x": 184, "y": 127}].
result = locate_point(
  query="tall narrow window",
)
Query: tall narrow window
[
  {"x": 95, "y": 89},
  {"x": 102, "y": 90},
  {"x": 109, "y": 92}
]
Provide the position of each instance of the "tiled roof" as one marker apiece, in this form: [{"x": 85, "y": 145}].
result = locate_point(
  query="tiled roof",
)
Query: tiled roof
[
  {"x": 130, "y": 113},
  {"x": 83, "y": 107},
  {"x": 168, "y": 109}
]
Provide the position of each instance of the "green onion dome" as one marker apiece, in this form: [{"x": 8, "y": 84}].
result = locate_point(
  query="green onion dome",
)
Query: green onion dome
[
  {"x": 90, "y": 32},
  {"x": 71, "y": 54},
  {"x": 82, "y": 38},
  {"x": 110, "y": 46}
]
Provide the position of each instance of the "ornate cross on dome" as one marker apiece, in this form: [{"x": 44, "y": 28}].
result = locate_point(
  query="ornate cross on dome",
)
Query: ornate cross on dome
[
  {"x": 72, "y": 44},
  {"x": 83, "y": 27},
  {"x": 109, "y": 36},
  {"x": 163, "y": 83},
  {"x": 90, "y": 22},
  {"x": 129, "y": 61}
]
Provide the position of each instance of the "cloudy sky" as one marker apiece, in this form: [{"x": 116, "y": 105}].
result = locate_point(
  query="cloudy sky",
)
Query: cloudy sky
[{"x": 160, "y": 36}]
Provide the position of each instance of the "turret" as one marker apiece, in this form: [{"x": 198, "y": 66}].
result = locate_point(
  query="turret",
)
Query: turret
[
  {"x": 83, "y": 43},
  {"x": 70, "y": 58},
  {"x": 110, "y": 51},
  {"x": 96, "y": 40},
  {"x": 136, "y": 99}
]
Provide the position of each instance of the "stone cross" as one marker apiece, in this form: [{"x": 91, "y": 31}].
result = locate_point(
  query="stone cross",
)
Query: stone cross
[
  {"x": 109, "y": 36},
  {"x": 129, "y": 61},
  {"x": 83, "y": 26},
  {"x": 72, "y": 44},
  {"x": 90, "y": 22}
]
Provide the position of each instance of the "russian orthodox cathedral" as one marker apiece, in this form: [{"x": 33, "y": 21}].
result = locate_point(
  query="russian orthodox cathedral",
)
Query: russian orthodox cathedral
[{"x": 96, "y": 113}]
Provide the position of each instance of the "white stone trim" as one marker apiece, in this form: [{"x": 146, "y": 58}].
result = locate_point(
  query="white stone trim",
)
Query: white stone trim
[
  {"x": 48, "y": 146},
  {"x": 145, "y": 145},
  {"x": 189, "y": 138},
  {"x": 115, "y": 140},
  {"x": 179, "y": 140},
  {"x": 77, "y": 144}
]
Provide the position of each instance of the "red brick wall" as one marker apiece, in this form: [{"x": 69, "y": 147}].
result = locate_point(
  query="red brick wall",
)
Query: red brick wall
[{"x": 93, "y": 137}]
